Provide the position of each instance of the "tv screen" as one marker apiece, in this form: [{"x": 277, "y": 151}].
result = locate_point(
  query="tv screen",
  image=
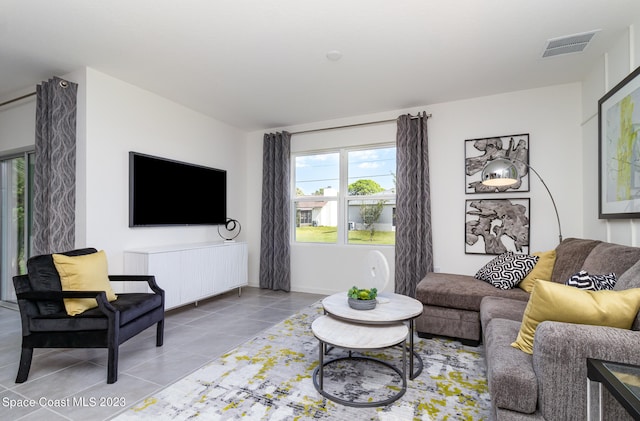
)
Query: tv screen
[{"x": 167, "y": 192}]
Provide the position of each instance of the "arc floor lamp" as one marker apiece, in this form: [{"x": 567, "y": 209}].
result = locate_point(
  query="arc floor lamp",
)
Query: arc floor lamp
[{"x": 502, "y": 172}]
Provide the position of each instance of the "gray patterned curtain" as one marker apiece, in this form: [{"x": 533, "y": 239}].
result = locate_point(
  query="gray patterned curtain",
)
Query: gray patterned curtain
[
  {"x": 275, "y": 269},
  {"x": 54, "y": 181},
  {"x": 414, "y": 247}
]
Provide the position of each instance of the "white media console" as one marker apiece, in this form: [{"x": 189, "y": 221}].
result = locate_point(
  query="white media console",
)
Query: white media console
[{"x": 191, "y": 272}]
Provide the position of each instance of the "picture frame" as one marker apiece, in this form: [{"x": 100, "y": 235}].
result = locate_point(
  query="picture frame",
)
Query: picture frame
[
  {"x": 619, "y": 150},
  {"x": 495, "y": 226},
  {"x": 478, "y": 152}
]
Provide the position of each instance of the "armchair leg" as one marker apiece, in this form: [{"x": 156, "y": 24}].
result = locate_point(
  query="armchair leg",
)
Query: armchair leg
[
  {"x": 25, "y": 365},
  {"x": 160, "y": 333},
  {"x": 112, "y": 365}
]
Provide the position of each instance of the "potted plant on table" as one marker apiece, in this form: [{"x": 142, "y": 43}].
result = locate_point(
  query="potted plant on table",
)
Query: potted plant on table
[{"x": 362, "y": 299}]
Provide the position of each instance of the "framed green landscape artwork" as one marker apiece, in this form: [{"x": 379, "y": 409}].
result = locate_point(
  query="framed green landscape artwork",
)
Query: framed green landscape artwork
[{"x": 619, "y": 150}]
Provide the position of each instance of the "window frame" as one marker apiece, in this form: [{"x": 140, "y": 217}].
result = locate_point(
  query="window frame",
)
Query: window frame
[{"x": 342, "y": 198}]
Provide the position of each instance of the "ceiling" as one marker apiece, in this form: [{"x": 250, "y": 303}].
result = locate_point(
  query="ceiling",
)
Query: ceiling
[{"x": 258, "y": 64}]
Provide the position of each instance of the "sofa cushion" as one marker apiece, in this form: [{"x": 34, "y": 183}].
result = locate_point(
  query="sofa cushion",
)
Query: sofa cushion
[
  {"x": 43, "y": 276},
  {"x": 501, "y": 308},
  {"x": 608, "y": 257},
  {"x": 562, "y": 303},
  {"x": 507, "y": 270},
  {"x": 570, "y": 256},
  {"x": 512, "y": 382},
  {"x": 542, "y": 270},
  {"x": 629, "y": 279},
  {"x": 460, "y": 291}
]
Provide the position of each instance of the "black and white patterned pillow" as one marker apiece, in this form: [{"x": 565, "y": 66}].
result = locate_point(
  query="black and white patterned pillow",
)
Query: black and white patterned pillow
[
  {"x": 583, "y": 280},
  {"x": 507, "y": 270}
]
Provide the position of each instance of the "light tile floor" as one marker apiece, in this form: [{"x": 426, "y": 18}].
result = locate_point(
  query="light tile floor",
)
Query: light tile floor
[{"x": 77, "y": 377}]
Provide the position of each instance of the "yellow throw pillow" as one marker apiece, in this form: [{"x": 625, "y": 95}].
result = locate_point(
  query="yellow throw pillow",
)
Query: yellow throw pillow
[
  {"x": 542, "y": 269},
  {"x": 83, "y": 273},
  {"x": 563, "y": 303}
]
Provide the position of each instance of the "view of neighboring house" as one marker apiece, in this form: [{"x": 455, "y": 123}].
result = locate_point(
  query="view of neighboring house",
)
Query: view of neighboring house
[
  {"x": 325, "y": 212},
  {"x": 385, "y": 222},
  {"x": 318, "y": 213}
]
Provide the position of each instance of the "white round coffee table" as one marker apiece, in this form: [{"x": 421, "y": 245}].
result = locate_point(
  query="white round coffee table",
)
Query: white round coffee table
[
  {"x": 357, "y": 337},
  {"x": 391, "y": 308}
]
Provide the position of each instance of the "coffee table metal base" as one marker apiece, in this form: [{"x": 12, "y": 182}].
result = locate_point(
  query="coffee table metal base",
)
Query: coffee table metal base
[
  {"x": 318, "y": 378},
  {"x": 415, "y": 360},
  {"x": 355, "y": 337},
  {"x": 415, "y": 363}
]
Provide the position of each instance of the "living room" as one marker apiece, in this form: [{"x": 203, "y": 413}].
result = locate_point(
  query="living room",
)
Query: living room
[{"x": 115, "y": 116}]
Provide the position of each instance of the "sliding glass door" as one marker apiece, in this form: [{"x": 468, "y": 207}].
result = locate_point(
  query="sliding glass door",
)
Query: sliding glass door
[{"x": 16, "y": 181}]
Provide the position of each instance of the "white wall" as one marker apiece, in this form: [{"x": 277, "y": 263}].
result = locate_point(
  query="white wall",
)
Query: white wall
[
  {"x": 550, "y": 115},
  {"x": 119, "y": 118},
  {"x": 122, "y": 118},
  {"x": 114, "y": 118},
  {"x": 617, "y": 63}
]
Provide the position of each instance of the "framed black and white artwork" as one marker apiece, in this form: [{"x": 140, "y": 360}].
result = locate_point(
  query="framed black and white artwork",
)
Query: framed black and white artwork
[
  {"x": 478, "y": 152},
  {"x": 495, "y": 226}
]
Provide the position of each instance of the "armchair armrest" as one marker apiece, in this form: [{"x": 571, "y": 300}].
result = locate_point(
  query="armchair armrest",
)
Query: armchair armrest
[
  {"x": 150, "y": 279},
  {"x": 560, "y": 353}
]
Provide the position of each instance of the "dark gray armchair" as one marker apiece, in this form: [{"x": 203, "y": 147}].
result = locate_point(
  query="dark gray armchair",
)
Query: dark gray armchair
[{"x": 45, "y": 323}]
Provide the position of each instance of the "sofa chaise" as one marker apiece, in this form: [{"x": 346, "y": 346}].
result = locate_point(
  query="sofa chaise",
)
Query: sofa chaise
[{"x": 551, "y": 383}]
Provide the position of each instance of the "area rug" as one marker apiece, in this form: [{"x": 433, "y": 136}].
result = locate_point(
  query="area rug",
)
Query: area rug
[{"x": 270, "y": 378}]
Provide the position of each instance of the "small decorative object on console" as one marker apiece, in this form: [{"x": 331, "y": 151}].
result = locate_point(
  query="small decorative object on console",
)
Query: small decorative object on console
[
  {"x": 362, "y": 299},
  {"x": 232, "y": 228}
]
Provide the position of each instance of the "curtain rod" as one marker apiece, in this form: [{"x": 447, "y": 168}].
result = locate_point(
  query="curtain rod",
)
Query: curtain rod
[
  {"x": 353, "y": 125},
  {"x": 17, "y": 99},
  {"x": 63, "y": 84}
]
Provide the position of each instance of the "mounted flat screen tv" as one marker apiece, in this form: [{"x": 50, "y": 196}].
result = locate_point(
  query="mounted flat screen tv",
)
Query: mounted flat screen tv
[{"x": 167, "y": 192}]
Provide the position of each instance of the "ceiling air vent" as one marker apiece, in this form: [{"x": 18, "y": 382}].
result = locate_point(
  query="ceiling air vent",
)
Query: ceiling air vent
[{"x": 568, "y": 44}]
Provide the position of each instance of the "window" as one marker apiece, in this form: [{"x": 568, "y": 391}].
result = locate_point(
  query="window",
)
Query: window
[
  {"x": 371, "y": 195},
  {"x": 345, "y": 196},
  {"x": 305, "y": 216},
  {"x": 16, "y": 196},
  {"x": 317, "y": 180}
]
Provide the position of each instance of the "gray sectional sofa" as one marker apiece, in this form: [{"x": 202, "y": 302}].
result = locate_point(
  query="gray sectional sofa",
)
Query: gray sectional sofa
[{"x": 551, "y": 383}]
